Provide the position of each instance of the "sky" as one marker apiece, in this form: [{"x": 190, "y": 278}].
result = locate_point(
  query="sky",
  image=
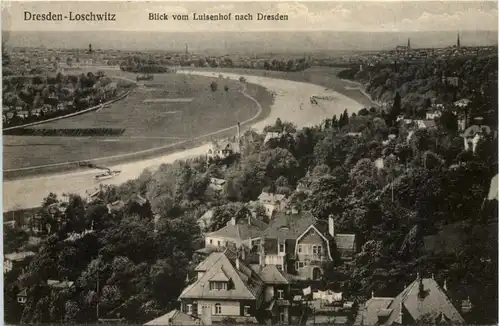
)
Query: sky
[{"x": 356, "y": 16}]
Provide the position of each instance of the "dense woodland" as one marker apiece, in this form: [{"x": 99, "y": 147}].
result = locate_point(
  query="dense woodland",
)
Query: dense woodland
[
  {"x": 391, "y": 194},
  {"x": 421, "y": 85},
  {"x": 145, "y": 64}
]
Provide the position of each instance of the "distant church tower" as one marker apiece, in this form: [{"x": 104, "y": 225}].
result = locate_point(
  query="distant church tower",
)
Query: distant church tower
[
  {"x": 187, "y": 52},
  {"x": 408, "y": 46},
  {"x": 90, "y": 48},
  {"x": 458, "y": 40}
]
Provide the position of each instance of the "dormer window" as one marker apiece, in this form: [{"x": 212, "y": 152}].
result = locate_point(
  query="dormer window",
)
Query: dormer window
[
  {"x": 282, "y": 247},
  {"x": 216, "y": 285}
]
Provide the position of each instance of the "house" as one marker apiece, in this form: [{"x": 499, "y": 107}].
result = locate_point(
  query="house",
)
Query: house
[
  {"x": 226, "y": 148},
  {"x": 22, "y": 296},
  {"x": 272, "y": 135},
  {"x": 422, "y": 301},
  {"x": 298, "y": 243},
  {"x": 227, "y": 286},
  {"x": 16, "y": 260},
  {"x": 473, "y": 135},
  {"x": 426, "y": 124},
  {"x": 277, "y": 293},
  {"x": 273, "y": 203},
  {"x": 238, "y": 232}
]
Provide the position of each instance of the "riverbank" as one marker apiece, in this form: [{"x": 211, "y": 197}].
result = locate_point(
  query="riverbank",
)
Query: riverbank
[{"x": 29, "y": 192}]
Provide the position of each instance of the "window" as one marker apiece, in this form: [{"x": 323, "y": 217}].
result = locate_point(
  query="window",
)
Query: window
[
  {"x": 218, "y": 286},
  {"x": 315, "y": 250},
  {"x": 189, "y": 309},
  {"x": 320, "y": 250},
  {"x": 299, "y": 249},
  {"x": 246, "y": 310},
  {"x": 280, "y": 294},
  {"x": 282, "y": 247},
  {"x": 300, "y": 264},
  {"x": 210, "y": 241},
  {"x": 218, "y": 243},
  {"x": 218, "y": 309},
  {"x": 282, "y": 317}
]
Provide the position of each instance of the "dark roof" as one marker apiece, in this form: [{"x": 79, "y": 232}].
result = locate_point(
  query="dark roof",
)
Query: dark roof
[
  {"x": 289, "y": 226},
  {"x": 241, "y": 230}
]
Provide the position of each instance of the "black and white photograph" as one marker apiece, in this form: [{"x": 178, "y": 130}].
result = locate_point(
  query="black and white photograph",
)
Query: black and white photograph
[{"x": 199, "y": 163}]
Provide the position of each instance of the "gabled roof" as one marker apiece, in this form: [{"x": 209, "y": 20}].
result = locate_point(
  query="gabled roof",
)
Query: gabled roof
[
  {"x": 434, "y": 303},
  {"x": 174, "y": 317},
  {"x": 245, "y": 283},
  {"x": 23, "y": 293},
  {"x": 241, "y": 230},
  {"x": 270, "y": 274},
  {"x": 289, "y": 226}
]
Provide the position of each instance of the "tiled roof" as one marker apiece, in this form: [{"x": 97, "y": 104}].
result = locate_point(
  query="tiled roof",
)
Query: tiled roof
[
  {"x": 220, "y": 276},
  {"x": 289, "y": 226},
  {"x": 270, "y": 274},
  {"x": 19, "y": 256},
  {"x": 174, "y": 317},
  {"x": 434, "y": 304},
  {"x": 372, "y": 307},
  {"x": 246, "y": 284},
  {"x": 241, "y": 230}
]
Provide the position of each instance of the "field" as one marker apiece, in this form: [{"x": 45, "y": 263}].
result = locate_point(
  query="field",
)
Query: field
[
  {"x": 324, "y": 76},
  {"x": 170, "y": 109}
]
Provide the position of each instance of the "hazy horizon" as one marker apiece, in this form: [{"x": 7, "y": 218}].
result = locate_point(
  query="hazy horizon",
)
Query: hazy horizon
[{"x": 246, "y": 42}]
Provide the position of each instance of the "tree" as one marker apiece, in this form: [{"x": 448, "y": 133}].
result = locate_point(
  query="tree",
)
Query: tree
[{"x": 213, "y": 86}]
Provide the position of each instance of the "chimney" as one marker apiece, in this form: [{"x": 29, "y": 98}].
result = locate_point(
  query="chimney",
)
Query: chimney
[
  {"x": 331, "y": 225},
  {"x": 373, "y": 294},
  {"x": 444, "y": 285},
  {"x": 232, "y": 221},
  {"x": 250, "y": 219},
  {"x": 238, "y": 263},
  {"x": 421, "y": 291}
]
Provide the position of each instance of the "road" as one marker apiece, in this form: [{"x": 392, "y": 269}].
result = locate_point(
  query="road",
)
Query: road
[{"x": 291, "y": 104}]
